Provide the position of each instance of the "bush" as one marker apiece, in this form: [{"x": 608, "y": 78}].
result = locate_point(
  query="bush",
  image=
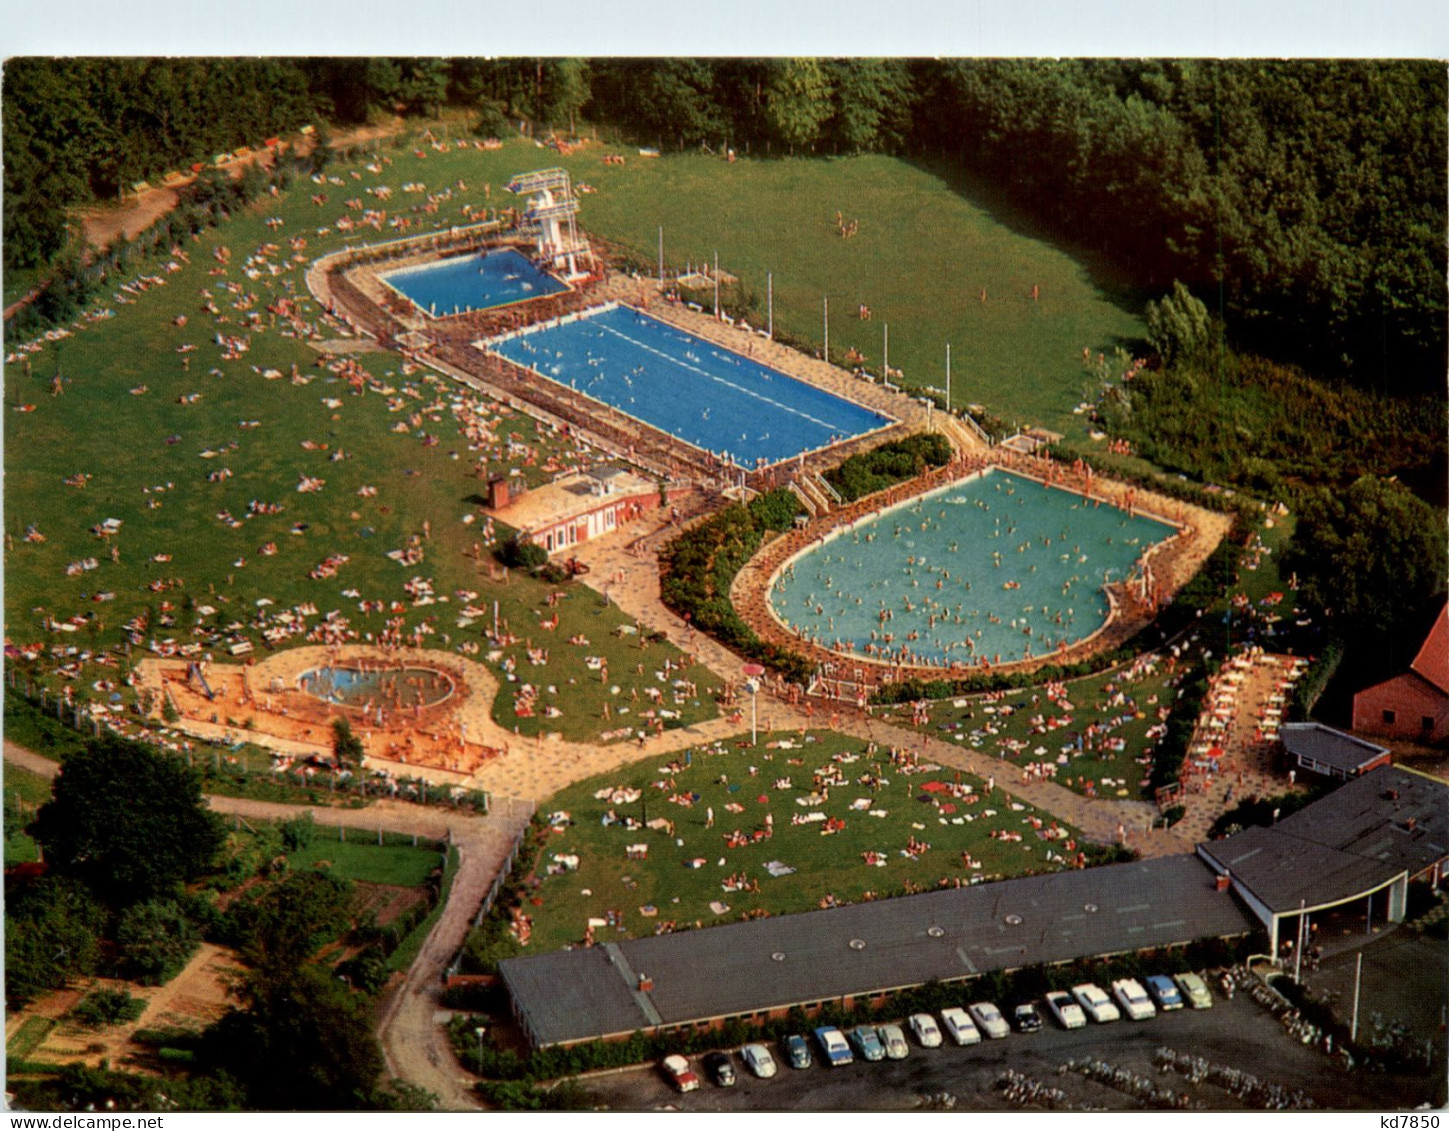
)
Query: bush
[
  {"x": 155, "y": 941},
  {"x": 107, "y": 1007},
  {"x": 521, "y": 553},
  {"x": 700, "y": 567},
  {"x": 888, "y": 465},
  {"x": 299, "y": 832}
]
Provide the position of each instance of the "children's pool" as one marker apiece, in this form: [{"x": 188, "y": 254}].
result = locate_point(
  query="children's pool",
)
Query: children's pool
[
  {"x": 473, "y": 282},
  {"x": 391, "y": 689},
  {"x": 706, "y": 395},
  {"x": 996, "y": 566}
]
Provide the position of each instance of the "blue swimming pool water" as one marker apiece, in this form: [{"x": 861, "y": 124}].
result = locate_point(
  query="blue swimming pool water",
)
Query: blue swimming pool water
[
  {"x": 473, "y": 282},
  {"x": 395, "y": 688},
  {"x": 704, "y": 394},
  {"x": 951, "y": 555}
]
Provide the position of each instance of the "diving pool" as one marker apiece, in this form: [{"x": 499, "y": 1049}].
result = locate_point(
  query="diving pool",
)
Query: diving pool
[
  {"x": 996, "y": 566},
  {"x": 706, "y": 395},
  {"x": 473, "y": 282}
]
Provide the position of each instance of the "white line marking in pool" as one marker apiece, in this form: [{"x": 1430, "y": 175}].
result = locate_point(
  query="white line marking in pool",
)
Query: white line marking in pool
[{"x": 730, "y": 384}]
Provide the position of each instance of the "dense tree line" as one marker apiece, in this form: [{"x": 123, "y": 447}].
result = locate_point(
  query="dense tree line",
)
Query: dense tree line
[
  {"x": 1306, "y": 198},
  {"x": 78, "y": 130},
  {"x": 135, "y": 860}
]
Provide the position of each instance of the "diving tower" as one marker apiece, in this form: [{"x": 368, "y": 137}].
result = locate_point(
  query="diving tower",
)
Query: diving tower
[{"x": 549, "y": 216}]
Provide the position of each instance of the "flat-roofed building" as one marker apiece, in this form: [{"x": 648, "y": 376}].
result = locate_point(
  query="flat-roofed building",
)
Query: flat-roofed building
[
  {"x": 1331, "y": 753},
  {"x": 575, "y": 507},
  {"x": 763, "y": 967},
  {"x": 1366, "y": 839}
]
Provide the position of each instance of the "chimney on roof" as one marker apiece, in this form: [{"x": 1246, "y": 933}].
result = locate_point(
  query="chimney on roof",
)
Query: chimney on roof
[
  {"x": 1225, "y": 881},
  {"x": 498, "y": 492},
  {"x": 1393, "y": 795},
  {"x": 646, "y": 983},
  {"x": 1410, "y": 823}
]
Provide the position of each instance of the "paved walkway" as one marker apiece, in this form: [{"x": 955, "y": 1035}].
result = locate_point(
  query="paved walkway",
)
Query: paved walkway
[{"x": 1244, "y": 692}]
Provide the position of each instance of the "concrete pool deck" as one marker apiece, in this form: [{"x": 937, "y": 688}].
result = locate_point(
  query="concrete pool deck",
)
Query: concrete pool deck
[{"x": 349, "y": 283}]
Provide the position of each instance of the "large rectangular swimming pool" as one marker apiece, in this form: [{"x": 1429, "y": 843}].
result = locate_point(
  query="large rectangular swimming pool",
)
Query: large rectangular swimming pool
[{"x": 706, "y": 395}]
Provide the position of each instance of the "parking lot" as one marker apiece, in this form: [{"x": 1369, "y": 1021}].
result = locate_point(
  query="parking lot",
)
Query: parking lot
[{"x": 1234, "y": 1035}]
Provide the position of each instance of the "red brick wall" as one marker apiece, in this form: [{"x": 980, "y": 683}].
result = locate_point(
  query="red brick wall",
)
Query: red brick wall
[{"x": 1411, "y": 698}]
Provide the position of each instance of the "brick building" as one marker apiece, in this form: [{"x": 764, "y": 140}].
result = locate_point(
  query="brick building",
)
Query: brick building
[
  {"x": 1413, "y": 706},
  {"x": 575, "y": 508}
]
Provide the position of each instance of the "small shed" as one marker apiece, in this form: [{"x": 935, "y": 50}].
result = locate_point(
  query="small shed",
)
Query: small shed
[{"x": 1331, "y": 753}]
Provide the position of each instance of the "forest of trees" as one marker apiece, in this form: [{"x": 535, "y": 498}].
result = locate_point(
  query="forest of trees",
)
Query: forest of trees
[{"x": 1306, "y": 199}]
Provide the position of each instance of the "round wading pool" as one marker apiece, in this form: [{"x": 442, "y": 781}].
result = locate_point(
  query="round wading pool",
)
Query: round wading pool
[{"x": 386, "y": 688}]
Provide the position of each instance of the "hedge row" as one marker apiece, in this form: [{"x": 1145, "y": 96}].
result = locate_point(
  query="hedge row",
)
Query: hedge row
[
  {"x": 889, "y": 464},
  {"x": 1242, "y": 508},
  {"x": 1308, "y": 689},
  {"x": 700, "y": 567}
]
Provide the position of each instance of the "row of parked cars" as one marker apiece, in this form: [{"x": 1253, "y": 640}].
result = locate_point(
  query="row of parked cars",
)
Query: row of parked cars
[
  {"x": 967, "y": 1026},
  {"x": 1137, "y": 1001}
]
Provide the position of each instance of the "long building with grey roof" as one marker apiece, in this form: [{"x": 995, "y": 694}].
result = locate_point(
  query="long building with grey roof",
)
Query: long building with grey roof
[{"x": 766, "y": 966}]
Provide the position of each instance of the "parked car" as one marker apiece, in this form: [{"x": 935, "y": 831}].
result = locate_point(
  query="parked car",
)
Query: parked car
[
  {"x": 1027, "y": 1019},
  {"x": 721, "y": 1071},
  {"x": 1133, "y": 999},
  {"x": 867, "y": 1042},
  {"x": 989, "y": 1020},
  {"x": 1095, "y": 1003},
  {"x": 1064, "y": 1008},
  {"x": 758, "y": 1060},
  {"x": 797, "y": 1051},
  {"x": 680, "y": 1074},
  {"x": 1195, "y": 990},
  {"x": 1164, "y": 992},
  {"x": 923, "y": 1025},
  {"x": 894, "y": 1039},
  {"x": 959, "y": 1024},
  {"x": 833, "y": 1046}
]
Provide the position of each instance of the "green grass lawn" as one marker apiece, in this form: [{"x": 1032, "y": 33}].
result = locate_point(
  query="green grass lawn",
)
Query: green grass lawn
[
  {"x": 179, "y": 464},
  {"x": 24, "y": 793},
  {"x": 923, "y": 254},
  {"x": 908, "y": 804},
  {"x": 1026, "y": 727},
  {"x": 365, "y": 861},
  {"x": 29, "y": 1037}
]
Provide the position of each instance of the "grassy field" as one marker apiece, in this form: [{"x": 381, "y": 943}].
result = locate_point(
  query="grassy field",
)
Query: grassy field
[
  {"x": 401, "y": 865},
  {"x": 922, "y": 256},
  {"x": 177, "y": 445},
  {"x": 882, "y": 807},
  {"x": 179, "y": 464},
  {"x": 24, "y": 793},
  {"x": 1028, "y": 727}
]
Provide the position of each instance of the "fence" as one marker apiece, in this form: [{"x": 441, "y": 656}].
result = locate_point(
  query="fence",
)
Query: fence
[
  {"x": 501, "y": 876},
  {"x": 506, "y": 868}
]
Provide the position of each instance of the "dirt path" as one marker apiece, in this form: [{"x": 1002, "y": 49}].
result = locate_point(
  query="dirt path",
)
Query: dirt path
[
  {"x": 102, "y": 224},
  {"x": 414, "y": 1043}
]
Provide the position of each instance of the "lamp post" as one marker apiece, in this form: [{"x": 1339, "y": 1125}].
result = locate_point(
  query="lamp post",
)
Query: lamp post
[
  {"x": 479, "y": 1032},
  {"x": 753, "y": 672},
  {"x": 754, "y": 686}
]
